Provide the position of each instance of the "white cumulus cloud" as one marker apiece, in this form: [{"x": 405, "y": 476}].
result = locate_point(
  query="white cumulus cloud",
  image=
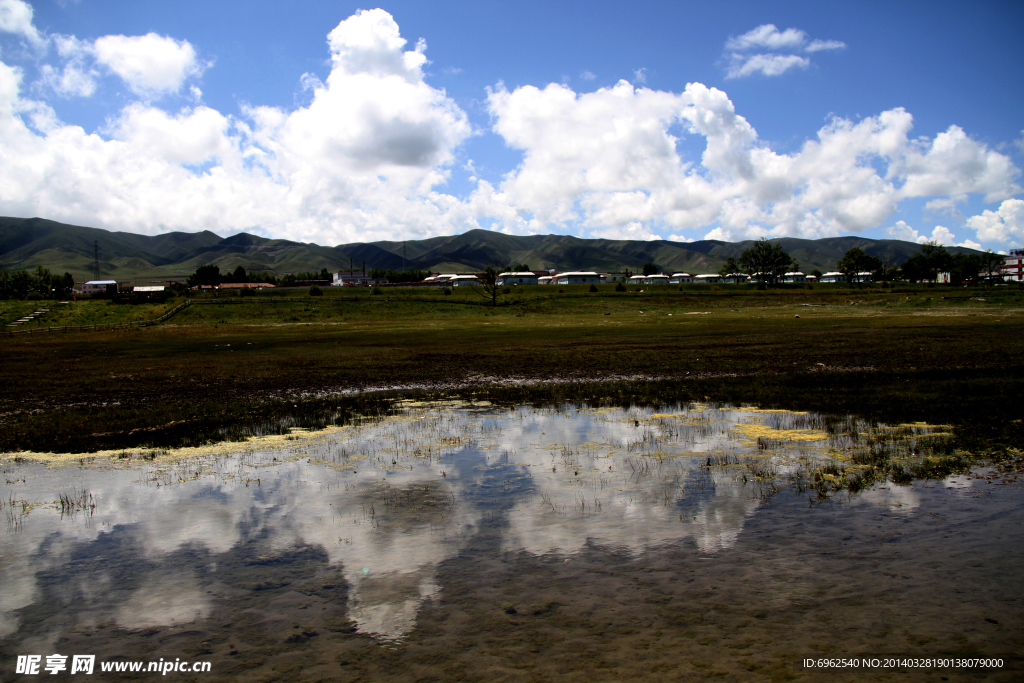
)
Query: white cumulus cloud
[
  {"x": 77, "y": 77},
  {"x": 769, "y": 65},
  {"x": 768, "y": 36},
  {"x": 609, "y": 158},
  {"x": 940, "y": 235},
  {"x": 902, "y": 231},
  {"x": 1005, "y": 225},
  {"x": 149, "y": 64},
  {"x": 368, "y": 153},
  {"x": 361, "y": 161},
  {"x": 16, "y": 17},
  {"x": 768, "y": 51}
]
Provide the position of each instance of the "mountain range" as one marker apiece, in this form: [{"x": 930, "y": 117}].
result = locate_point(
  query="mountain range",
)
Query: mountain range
[{"x": 29, "y": 242}]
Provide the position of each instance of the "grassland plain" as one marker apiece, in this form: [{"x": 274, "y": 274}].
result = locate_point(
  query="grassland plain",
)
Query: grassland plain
[{"x": 233, "y": 366}]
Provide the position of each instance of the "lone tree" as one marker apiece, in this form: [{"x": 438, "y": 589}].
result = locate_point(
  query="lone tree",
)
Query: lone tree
[
  {"x": 489, "y": 288},
  {"x": 856, "y": 261},
  {"x": 650, "y": 269},
  {"x": 767, "y": 261}
]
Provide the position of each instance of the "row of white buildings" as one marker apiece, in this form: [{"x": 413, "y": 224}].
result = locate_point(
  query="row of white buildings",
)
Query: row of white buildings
[{"x": 590, "y": 277}]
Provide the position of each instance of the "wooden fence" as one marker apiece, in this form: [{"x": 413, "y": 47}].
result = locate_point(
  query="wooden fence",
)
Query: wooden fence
[{"x": 94, "y": 328}]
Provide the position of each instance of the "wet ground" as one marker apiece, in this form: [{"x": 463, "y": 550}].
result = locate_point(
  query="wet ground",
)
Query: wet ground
[{"x": 468, "y": 542}]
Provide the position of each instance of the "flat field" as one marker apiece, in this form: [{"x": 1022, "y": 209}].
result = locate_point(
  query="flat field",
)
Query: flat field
[{"x": 226, "y": 367}]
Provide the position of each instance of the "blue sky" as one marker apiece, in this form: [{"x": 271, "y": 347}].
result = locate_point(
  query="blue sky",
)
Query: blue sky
[{"x": 314, "y": 121}]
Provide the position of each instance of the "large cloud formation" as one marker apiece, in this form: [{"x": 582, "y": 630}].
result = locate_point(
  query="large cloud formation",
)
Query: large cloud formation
[
  {"x": 610, "y": 158},
  {"x": 371, "y": 154}
]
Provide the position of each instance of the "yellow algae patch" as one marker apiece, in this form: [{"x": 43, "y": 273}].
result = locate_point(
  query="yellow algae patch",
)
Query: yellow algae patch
[
  {"x": 297, "y": 439},
  {"x": 756, "y": 431},
  {"x": 772, "y": 410}
]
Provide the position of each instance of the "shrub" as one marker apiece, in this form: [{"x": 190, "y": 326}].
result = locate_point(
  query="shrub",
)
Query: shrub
[
  {"x": 247, "y": 291},
  {"x": 376, "y": 290},
  {"x": 33, "y": 296},
  {"x": 447, "y": 291},
  {"x": 593, "y": 288},
  {"x": 620, "y": 287},
  {"x": 315, "y": 291},
  {"x": 561, "y": 291}
]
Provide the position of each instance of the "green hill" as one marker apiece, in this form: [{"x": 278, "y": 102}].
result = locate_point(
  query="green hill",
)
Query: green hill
[{"x": 30, "y": 242}]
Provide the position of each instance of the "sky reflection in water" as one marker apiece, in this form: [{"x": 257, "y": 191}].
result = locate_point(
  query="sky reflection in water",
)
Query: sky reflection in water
[{"x": 389, "y": 500}]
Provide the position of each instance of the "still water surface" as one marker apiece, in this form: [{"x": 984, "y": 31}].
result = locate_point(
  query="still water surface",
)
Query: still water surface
[{"x": 466, "y": 541}]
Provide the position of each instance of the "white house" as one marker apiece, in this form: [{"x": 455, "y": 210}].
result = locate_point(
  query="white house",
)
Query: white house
[
  {"x": 97, "y": 286},
  {"x": 708, "y": 279},
  {"x": 525, "y": 278},
  {"x": 579, "y": 278},
  {"x": 613, "y": 277},
  {"x": 462, "y": 280},
  {"x": 736, "y": 278},
  {"x": 793, "y": 277},
  {"x": 832, "y": 276},
  {"x": 678, "y": 278},
  {"x": 353, "y": 279},
  {"x": 546, "y": 280},
  {"x": 656, "y": 280}
]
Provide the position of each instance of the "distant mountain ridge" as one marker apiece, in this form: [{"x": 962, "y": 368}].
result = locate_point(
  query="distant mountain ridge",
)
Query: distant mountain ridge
[{"x": 28, "y": 242}]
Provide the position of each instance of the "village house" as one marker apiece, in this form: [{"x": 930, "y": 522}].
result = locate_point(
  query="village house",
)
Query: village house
[
  {"x": 355, "y": 279},
  {"x": 578, "y": 278},
  {"x": 98, "y": 286},
  {"x": 518, "y": 278}
]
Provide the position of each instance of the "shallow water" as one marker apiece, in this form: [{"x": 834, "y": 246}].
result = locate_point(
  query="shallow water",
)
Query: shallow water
[{"x": 460, "y": 541}]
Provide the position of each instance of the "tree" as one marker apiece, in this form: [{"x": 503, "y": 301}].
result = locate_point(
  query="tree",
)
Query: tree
[
  {"x": 205, "y": 275},
  {"x": 650, "y": 269},
  {"x": 937, "y": 258},
  {"x": 519, "y": 268},
  {"x": 992, "y": 265},
  {"x": 765, "y": 260},
  {"x": 729, "y": 268},
  {"x": 856, "y": 261},
  {"x": 928, "y": 263},
  {"x": 490, "y": 287},
  {"x": 65, "y": 285},
  {"x": 239, "y": 275},
  {"x": 404, "y": 276}
]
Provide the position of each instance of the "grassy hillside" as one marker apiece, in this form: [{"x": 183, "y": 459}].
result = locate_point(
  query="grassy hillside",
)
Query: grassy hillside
[{"x": 26, "y": 243}]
